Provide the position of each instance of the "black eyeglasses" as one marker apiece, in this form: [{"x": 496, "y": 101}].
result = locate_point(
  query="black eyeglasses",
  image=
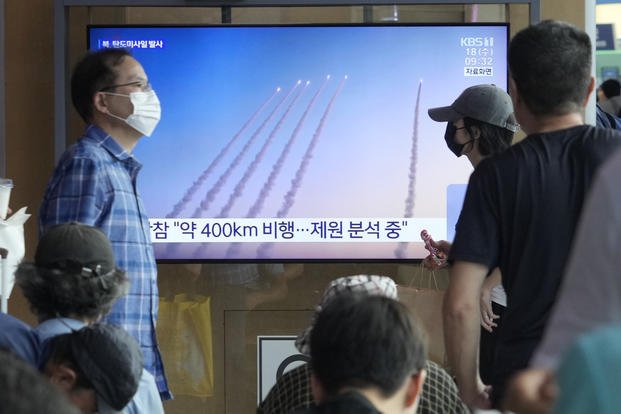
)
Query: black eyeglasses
[{"x": 143, "y": 85}]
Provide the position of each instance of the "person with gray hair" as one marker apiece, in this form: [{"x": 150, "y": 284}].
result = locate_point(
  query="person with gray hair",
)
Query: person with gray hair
[
  {"x": 73, "y": 275},
  {"x": 292, "y": 390},
  {"x": 73, "y": 282}
]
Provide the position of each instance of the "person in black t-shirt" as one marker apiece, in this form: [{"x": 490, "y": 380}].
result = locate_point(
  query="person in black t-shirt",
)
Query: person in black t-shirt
[{"x": 522, "y": 206}]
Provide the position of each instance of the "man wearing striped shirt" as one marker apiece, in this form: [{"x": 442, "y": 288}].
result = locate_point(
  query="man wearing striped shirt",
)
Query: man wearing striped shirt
[{"x": 95, "y": 183}]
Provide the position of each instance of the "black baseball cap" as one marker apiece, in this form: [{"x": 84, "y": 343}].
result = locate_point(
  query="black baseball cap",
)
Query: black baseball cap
[
  {"x": 75, "y": 247},
  {"x": 111, "y": 361}
]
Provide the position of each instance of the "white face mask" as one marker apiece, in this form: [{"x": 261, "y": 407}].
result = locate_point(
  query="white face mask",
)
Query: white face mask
[{"x": 147, "y": 111}]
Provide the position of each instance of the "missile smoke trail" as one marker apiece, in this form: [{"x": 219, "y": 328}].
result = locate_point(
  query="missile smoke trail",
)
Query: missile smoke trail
[
  {"x": 178, "y": 208},
  {"x": 409, "y": 201},
  {"x": 241, "y": 185},
  {"x": 267, "y": 187},
  {"x": 233, "y": 249},
  {"x": 211, "y": 194},
  {"x": 299, "y": 175}
]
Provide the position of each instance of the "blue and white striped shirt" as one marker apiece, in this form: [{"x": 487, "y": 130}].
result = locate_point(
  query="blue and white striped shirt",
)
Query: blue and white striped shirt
[{"x": 95, "y": 183}]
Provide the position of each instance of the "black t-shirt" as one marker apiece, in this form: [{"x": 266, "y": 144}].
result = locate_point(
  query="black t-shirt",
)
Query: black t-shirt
[{"x": 520, "y": 213}]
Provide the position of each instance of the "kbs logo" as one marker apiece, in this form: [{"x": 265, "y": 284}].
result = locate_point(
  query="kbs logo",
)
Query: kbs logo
[{"x": 476, "y": 41}]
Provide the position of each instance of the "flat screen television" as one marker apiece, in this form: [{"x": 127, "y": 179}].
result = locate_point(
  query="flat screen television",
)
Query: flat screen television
[{"x": 302, "y": 143}]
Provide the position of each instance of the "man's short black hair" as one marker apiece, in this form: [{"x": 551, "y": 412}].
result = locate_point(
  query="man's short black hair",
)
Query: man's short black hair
[
  {"x": 492, "y": 139},
  {"x": 550, "y": 63},
  {"x": 94, "y": 72},
  {"x": 611, "y": 88},
  {"x": 363, "y": 341}
]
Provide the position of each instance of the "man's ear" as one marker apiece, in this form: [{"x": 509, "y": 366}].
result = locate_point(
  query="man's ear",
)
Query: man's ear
[
  {"x": 99, "y": 102},
  {"x": 61, "y": 375},
  {"x": 414, "y": 387},
  {"x": 590, "y": 89},
  {"x": 319, "y": 393},
  {"x": 513, "y": 92}
]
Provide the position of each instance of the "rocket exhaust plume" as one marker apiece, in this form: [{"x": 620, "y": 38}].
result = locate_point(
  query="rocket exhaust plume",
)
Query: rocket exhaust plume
[
  {"x": 241, "y": 185},
  {"x": 258, "y": 205},
  {"x": 211, "y": 194},
  {"x": 181, "y": 204},
  {"x": 308, "y": 155},
  {"x": 267, "y": 187},
  {"x": 299, "y": 175},
  {"x": 409, "y": 201}
]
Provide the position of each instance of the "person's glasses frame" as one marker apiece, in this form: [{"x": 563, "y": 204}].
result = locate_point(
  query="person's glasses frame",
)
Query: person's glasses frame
[{"x": 144, "y": 86}]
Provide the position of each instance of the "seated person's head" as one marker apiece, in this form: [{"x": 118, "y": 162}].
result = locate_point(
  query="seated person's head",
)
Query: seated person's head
[
  {"x": 73, "y": 275},
  {"x": 99, "y": 367},
  {"x": 608, "y": 89},
  {"x": 372, "y": 285},
  {"x": 371, "y": 345},
  {"x": 26, "y": 391}
]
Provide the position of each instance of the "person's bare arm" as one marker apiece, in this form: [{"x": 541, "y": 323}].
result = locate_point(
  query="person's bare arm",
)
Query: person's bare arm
[{"x": 461, "y": 330}]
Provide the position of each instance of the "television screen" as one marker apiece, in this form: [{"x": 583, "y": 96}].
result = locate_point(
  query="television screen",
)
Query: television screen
[{"x": 304, "y": 142}]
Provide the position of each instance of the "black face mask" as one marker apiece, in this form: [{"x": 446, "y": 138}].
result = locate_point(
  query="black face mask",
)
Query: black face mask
[{"x": 449, "y": 137}]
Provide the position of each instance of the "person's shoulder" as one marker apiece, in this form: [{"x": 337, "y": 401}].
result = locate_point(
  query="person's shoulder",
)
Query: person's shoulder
[
  {"x": 19, "y": 338},
  {"x": 10, "y": 324},
  {"x": 88, "y": 147},
  {"x": 492, "y": 166},
  {"x": 599, "y": 142},
  {"x": 608, "y": 133},
  {"x": 576, "y": 137},
  {"x": 84, "y": 154},
  {"x": 291, "y": 391},
  {"x": 440, "y": 393},
  {"x": 82, "y": 150}
]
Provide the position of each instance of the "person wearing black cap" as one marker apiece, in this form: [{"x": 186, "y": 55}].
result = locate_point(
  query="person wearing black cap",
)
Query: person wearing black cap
[
  {"x": 74, "y": 282},
  {"x": 99, "y": 367},
  {"x": 522, "y": 206},
  {"x": 480, "y": 123}
]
